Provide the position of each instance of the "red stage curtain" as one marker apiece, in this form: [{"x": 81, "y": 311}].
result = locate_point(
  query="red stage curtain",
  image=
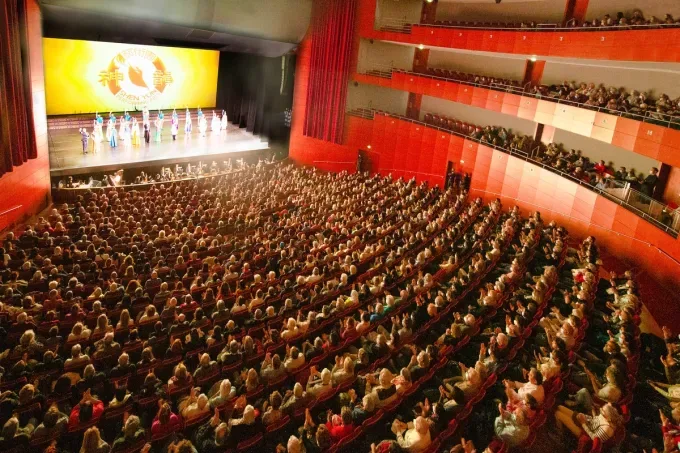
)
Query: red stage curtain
[
  {"x": 17, "y": 132},
  {"x": 332, "y": 32}
]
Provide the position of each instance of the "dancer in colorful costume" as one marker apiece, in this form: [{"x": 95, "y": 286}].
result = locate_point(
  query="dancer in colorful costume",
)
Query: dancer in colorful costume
[
  {"x": 98, "y": 126},
  {"x": 175, "y": 125},
  {"x": 187, "y": 123},
  {"x": 159, "y": 126},
  {"x": 110, "y": 126},
  {"x": 135, "y": 132}
]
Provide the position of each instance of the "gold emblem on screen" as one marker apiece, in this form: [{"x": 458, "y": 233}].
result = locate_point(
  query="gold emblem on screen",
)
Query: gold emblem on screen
[{"x": 136, "y": 76}]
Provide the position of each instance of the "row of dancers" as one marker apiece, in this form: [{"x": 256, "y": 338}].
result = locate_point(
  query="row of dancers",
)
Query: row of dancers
[{"x": 129, "y": 131}]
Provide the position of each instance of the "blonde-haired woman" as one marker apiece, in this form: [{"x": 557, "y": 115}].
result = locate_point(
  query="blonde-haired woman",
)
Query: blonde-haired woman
[
  {"x": 79, "y": 332},
  {"x": 93, "y": 443},
  {"x": 125, "y": 321},
  {"x": 180, "y": 377},
  {"x": 102, "y": 326},
  {"x": 96, "y": 294}
]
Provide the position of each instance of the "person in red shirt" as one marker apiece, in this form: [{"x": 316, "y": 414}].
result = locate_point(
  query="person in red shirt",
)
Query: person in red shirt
[
  {"x": 89, "y": 408},
  {"x": 600, "y": 167},
  {"x": 340, "y": 426}
]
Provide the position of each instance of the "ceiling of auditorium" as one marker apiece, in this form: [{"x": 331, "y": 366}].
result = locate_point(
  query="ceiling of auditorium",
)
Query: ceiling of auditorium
[{"x": 263, "y": 27}]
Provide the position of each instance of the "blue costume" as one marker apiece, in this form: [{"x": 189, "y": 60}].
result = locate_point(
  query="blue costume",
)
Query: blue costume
[
  {"x": 187, "y": 122},
  {"x": 114, "y": 138},
  {"x": 159, "y": 126}
]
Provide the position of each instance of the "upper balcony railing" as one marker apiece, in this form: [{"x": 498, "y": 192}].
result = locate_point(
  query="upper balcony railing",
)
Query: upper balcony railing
[
  {"x": 656, "y": 118},
  {"x": 653, "y": 42},
  {"x": 657, "y": 213},
  {"x": 396, "y": 24}
]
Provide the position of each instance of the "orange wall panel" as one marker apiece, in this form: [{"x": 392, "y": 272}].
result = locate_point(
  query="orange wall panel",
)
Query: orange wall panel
[
  {"x": 647, "y": 148},
  {"x": 671, "y": 138},
  {"x": 624, "y": 141},
  {"x": 651, "y": 132},
  {"x": 669, "y": 155},
  {"x": 490, "y": 41},
  {"x": 627, "y": 126},
  {"x": 506, "y": 41},
  {"x": 464, "y": 94}
]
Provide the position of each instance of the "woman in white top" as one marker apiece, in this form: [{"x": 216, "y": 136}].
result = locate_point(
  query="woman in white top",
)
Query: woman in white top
[
  {"x": 413, "y": 437},
  {"x": 315, "y": 277},
  {"x": 223, "y": 394},
  {"x": 195, "y": 405},
  {"x": 291, "y": 329},
  {"x": 343, "y": 370},
  {"x": 602, "y": 426},
  {"x": 319, "y": 384},
  {"x": 294, "y": 359}
]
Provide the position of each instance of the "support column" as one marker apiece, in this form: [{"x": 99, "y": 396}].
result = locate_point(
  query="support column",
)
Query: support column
[
  {"x": 663, "y": 175},
  {"x": 420, "y": 57},
  {"x": 533, "y": 72},
  {"x": 575, "y": 10},
  {"x": 429, "y": 12},
  {"x": 538, "y": 133},
  {"x": 413, "y": 107}
]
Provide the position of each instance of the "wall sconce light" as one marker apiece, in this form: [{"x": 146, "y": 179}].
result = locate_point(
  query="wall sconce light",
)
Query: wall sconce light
[
  {"x": 368, "y": 147},
  {"x": 421, "y": 47},
  {"x": 533, "y": 58}
]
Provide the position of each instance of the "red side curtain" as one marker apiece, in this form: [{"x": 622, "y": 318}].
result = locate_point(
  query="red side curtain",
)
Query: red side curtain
[
  {"x": 17, "y": 133},
  {"x": 332, "y": 32}
]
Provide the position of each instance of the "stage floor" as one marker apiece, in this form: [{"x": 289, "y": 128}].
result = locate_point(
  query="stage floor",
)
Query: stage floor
[{"x": 67, "y": 158}]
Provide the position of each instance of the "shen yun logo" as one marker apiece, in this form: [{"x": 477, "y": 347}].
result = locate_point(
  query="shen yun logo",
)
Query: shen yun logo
[{"x": 136, "y": 76}]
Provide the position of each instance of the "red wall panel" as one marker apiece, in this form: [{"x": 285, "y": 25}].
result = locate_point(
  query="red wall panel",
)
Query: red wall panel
[
  {"x": 307, "y": 150},
  {"x": 26, "y": 190}
]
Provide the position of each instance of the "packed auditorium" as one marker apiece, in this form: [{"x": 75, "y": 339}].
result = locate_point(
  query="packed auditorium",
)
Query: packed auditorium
[{"x": 377, "y": 226}]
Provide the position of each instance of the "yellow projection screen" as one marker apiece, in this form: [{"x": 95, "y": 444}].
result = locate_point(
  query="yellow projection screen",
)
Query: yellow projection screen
[{"x": 88, "y": 76}]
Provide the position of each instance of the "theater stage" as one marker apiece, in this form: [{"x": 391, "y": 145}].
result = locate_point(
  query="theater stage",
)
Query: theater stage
[{"x": 67, "y": 158}]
